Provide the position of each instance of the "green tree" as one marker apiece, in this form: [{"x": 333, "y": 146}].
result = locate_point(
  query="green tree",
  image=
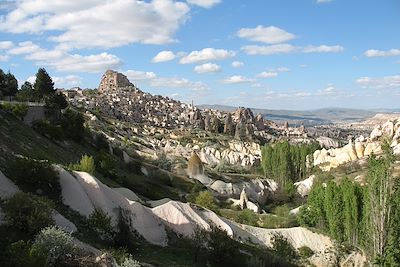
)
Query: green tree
[
  {"x": 28, "y": 213},
  {"x": 392, "y": 252},
  {"x": 11, "y": 85},
  {"x": 378, "y": 203},
  {"x": 43, "y": 85},
  {"x": 206, "y": 199},
  {"x": 26, "y": 93},
  {"x": 333, "y": 203},
  {"x": 72, "y": 123},
  {"x": 352, "y": 210}
]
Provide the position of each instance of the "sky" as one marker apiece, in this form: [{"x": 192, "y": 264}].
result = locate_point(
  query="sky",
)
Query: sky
[{"x": 272, "y": 54}]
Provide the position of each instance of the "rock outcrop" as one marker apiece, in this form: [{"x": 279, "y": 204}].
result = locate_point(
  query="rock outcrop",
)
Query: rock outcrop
[
  {"x": 195, "y": 166},
  {"x": 361, "y": 148},
  {"x": 112, "y": 80}
]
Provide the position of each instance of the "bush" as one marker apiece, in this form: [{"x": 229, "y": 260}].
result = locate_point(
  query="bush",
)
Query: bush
[
  {"x": 50, "y": 130},
  {"x": 283, "y": 248},
  {"x": 124, "y": 236},
  {"x": 206, "y": 200},
  {"x": 130, "y": 262},
  {"x": 17, "y": 109},
  {"x": 222, "y": 248},
  {"x": 53, "y": 244},
  {"x": 86, "y": 164},
  {"x": 35, "y": 176},
  {"x": 28, "y": 213},
  {"x": 72, "y": 123},
  {"x": 100, "y": 222},
  {"x": 247, "y": 217},
  {"x": 305, "y": 252},
  {"x": 20, "y": 255}
]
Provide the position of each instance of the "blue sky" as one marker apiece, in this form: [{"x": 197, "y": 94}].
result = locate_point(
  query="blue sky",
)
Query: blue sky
[{"x": 277, "y": 54}]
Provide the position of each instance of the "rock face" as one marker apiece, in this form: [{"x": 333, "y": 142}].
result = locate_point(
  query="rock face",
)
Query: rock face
[
  {"x": 229, "y": 128},
  {"x": 195, "y": 166},
  {"x": 112, "y": 80},
  {"x": 304, "y": 187},
  {"x": 244, "y": 115},
  {"x": 362, "y": 147}
]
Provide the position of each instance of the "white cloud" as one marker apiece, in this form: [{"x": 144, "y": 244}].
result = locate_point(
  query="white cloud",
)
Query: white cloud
[
  {"x": 4, "y": 58},
  {"x": 207, "y": 54},
  {"x": 269, "y": 35},
  {"x": 164, "y": 56},
  {"x": 323, "y": 49},
  {"x": 204, "y": 3},
  {"x": 134, "y": 75},
  {"x": 6, "y": 45},
  {"x": 24, "y": 48},
  {"x": 288, "y": 48},
  {"x": 178, "y": 83},
  {"x": 272, "y": 72},
  {"x": 323, "y": 1},
  {"x": 97, "y": 23},
  {"x": 67, "y": 81},
  {"x": 207, "y": 68},
  {"x": 237, "y": 64},
  {"x": 267, "y": 74},
  {"x": 379, "y": 83},
  {"x": 237, "y": 79},
  {"x": 63, "y": 61},
  {"x": 382, "y": 53},
  {"x": 269, "y": 50}
]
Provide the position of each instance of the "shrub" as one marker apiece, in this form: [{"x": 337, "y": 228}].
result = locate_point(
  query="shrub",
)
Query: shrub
[
  {"x": 17, "y": 109},
  {"x": 35, "y": 176},
  {"x": 283, "y": 248},
  {"x": 130, "y": 262},
  {"x": 20, "y": 255},
  {"x": 53, "y": 244},
  {"x": 305, "y": 252},
  {"x": 50, "y": 130},
  {"x": 247, "y": 217},
  {"x": 28, "y": 213},
  {"x": 206, "y": 199},
  {"x": 222, "y": 248},
  {"x": 100, "y": 222},
  {"x": 86, "y": 164},
  {"x": 72, "y": 123},
  {"x": 124, "y": 236}
]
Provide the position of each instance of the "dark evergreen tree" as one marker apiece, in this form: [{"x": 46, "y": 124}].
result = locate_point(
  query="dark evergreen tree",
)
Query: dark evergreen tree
[
  {"x": 10, "y": 85},
  {"x": 44, "y": 85},
  {"x": 27, "y": 93}
]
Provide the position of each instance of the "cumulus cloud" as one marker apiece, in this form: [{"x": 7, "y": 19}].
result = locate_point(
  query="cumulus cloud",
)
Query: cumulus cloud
[
  {"x": 97, "y": 23},
  {"x": 323, "y": 49},
  {"x": 4, "y": 58},
  {"x": 178, "y": 83},
  {"x": 67, "y": 81},
  {"x": 207, "y": 68},
  {"x": 6, "y": 45},
  {"x": 288, "y": 48},
  {"x": 207, "y": 54},
  {"x": 63, "y": 61},
  {"x": 204, "y": 3},
  {"x": 272, "y": 72},
  {"x": 134, "y": 75},
  {"x": 164, "y": 56},
  {"x": 269, "y": 35},
  {"x": 237, "y": 64},
  {"x": 237, "y": 79},
  {"x": 269, "y": 49},
  {"x": 379, "y": 83},
  {"x": 161, "y": 82},
  {"x": 382, "y": 53},
  {"x": 267, "y": 74}
]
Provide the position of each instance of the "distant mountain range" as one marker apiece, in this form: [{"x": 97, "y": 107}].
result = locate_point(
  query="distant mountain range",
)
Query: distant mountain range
[{"x": 310, "y": 117}]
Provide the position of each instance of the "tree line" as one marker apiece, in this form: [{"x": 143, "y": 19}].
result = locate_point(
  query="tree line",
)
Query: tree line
[
  {"x": 363, "y": 216},
  {"x": 286, "y": 163},
  {"x": 41, "y": 90}
]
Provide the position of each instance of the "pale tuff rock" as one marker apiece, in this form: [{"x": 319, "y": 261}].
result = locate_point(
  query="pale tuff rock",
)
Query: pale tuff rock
[
  {"x": 195, "y": 166},
  {"x": 243, "y": 199},
  {"x": 229, "y": 128},
  {"x": 112, "y": 80},
  {"x": 8, "y": 189},
  {"x": 304, "y": 187},
  {"x": 89, "y": 193},
  {"x": 361, "y": 148},
  {"x": 182, "y": 218},
  {"x": 327, "y": 142}
]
